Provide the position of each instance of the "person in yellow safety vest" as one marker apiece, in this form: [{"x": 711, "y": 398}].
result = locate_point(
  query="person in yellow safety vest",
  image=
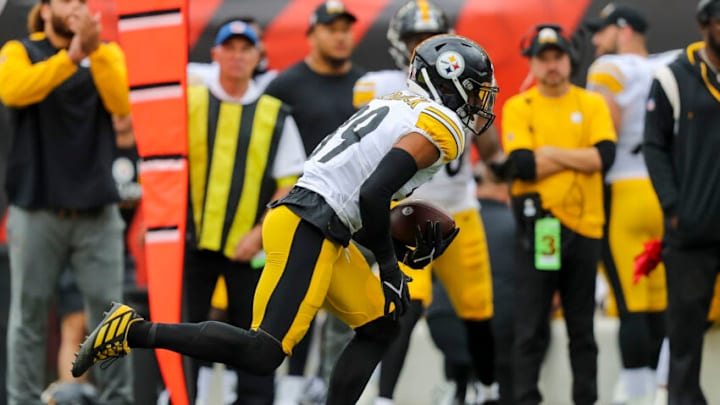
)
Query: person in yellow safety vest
[{"x": 244, "y": 150}]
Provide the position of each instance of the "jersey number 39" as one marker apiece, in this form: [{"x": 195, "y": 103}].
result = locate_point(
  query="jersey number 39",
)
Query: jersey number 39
[{"x": 360, "y": 124}]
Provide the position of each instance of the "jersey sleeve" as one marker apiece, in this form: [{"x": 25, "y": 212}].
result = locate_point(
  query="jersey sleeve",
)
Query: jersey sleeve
[
  {"x": 605, "y": 76},
  {"x": 601, "y": 124},
  {"x": 442, "y": 130},
  {"x": 516, "y": 125},
  {"x": 364, "y": 91}
]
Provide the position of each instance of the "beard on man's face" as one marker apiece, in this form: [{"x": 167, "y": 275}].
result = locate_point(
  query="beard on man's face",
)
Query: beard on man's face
[
  {"x": 714, "y": 44},
  {"x": 60, "y": 27},
  {"x": 335, "y": 62}
]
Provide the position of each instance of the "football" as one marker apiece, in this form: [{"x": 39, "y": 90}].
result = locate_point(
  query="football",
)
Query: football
[{"x": 406, "y": 216}]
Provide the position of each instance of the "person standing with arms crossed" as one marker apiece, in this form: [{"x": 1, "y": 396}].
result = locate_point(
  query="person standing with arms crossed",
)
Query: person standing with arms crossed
[
  {"x": 681, "y": 139},
  {"x": 559, "y": 139},
  {"x": 63, "y": 86}
]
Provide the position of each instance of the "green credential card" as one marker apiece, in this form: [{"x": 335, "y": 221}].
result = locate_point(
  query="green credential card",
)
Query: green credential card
[{"x": 547, "y": 244}]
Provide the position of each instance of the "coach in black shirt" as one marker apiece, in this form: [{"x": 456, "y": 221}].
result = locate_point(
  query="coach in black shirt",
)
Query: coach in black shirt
[{"x": 319, "y": 89}]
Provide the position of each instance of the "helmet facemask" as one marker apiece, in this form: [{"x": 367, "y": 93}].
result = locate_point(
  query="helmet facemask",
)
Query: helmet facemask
[
  {"x": 472, "y": 101},
  {"x": 476, "y": 113}
]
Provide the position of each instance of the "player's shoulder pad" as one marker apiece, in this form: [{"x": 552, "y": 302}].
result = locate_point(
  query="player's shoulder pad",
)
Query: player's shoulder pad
[
  {"x": 610, "y": 64},
  {"x": 377, "y": 84},
  {"x": 607, "y": 72},
  {"x": 443, "y": 127}
]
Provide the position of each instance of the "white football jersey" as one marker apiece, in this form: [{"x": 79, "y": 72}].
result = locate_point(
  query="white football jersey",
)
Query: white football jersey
[
  {"x": 453, "y": 187},
  {"x": 628, "y": 78},
  {"x": 342, "y": 162}
]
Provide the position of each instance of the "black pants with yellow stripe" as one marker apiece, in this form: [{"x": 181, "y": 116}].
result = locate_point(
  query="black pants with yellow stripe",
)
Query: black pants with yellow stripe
[
  {"x": 634, "y": 217},
  {"x": 304, "y": 272}
]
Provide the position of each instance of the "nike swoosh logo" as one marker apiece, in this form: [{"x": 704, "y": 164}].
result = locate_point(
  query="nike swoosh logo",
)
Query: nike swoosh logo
[
  {"x": 430, "y": 256},
  {"x": 398, "y": 290}
]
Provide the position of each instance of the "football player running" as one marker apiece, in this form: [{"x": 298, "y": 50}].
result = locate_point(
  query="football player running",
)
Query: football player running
[
  {"x": 464, "y": 269},
  {"x": 344, "y": 193}
]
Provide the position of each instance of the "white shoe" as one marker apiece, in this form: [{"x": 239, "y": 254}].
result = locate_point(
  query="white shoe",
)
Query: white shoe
[
  {"x": 288, "y": 390},
  {"x": 486, "y": 393},
  {"x": 314, "y": 392},
  {"x": 661, "y": 396},
  {"x": 619, "y": 393},
  {"x": 444, "y": 393}
]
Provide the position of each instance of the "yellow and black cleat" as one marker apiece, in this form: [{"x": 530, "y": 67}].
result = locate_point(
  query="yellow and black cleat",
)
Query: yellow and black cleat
[{"x": 108, "y": 340}]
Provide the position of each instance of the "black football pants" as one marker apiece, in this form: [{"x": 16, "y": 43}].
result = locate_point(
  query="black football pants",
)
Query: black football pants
[{"x": 691, "y": 277}]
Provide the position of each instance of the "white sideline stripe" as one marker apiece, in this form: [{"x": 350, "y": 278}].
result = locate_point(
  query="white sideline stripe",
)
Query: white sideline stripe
[
  {"x": 152, "y": 21},
  {"x": 161, "y": 236},
  {"x": 157, "y": 165},
  {"x": 156, "y": 93}
]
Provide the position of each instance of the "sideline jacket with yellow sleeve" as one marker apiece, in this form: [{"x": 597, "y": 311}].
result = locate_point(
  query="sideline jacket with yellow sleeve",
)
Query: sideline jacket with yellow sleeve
[
  {"x": 680, "y": 144},
  {"x": 64, "y": 141}
]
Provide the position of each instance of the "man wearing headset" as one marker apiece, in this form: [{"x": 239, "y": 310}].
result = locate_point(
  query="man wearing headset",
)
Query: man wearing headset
[{"x": 560, "y": 139}]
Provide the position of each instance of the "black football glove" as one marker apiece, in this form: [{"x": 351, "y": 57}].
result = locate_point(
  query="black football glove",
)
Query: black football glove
[
  {"x": 429, "y": 245},
  {"x": 395, "y": 288}
]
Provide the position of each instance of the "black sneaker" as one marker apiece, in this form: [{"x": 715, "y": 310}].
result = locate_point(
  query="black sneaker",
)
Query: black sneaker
[{"x": 108, "y": 340}]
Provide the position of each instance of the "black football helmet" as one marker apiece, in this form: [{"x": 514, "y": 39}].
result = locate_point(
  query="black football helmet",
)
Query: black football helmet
[
  {"x": 456, "y": 72},
  {"x": 415, "y": 17}
]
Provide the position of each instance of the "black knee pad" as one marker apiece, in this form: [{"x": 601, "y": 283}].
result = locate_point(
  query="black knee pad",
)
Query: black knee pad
[
  {"x": 265, "y": 353},
  {"x": 383, "y": 330}
]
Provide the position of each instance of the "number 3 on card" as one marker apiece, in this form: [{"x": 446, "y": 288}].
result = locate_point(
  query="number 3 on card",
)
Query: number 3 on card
[{"x": 547, "y": 244}]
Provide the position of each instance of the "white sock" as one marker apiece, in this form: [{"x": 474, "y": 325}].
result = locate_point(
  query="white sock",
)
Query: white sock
[
  {"x": 635, "y": 381},
  {"x": 230, "y": 381},
  {"x": 204, "y": 385},
  {"x": 663, "y": 368},
  {"x": 383, "y": 401}
]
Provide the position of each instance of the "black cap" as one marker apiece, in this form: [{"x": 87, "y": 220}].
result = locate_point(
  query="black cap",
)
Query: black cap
[
  {"x": 620, "y": 15},
  {"x": 707, "y": 9},
  {"x": 328, "y": 12},
  {"x": 547, "y": 36}
]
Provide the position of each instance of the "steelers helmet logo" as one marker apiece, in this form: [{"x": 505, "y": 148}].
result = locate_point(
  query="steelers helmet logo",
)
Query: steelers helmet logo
[{"x": 450, "y": 65}]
